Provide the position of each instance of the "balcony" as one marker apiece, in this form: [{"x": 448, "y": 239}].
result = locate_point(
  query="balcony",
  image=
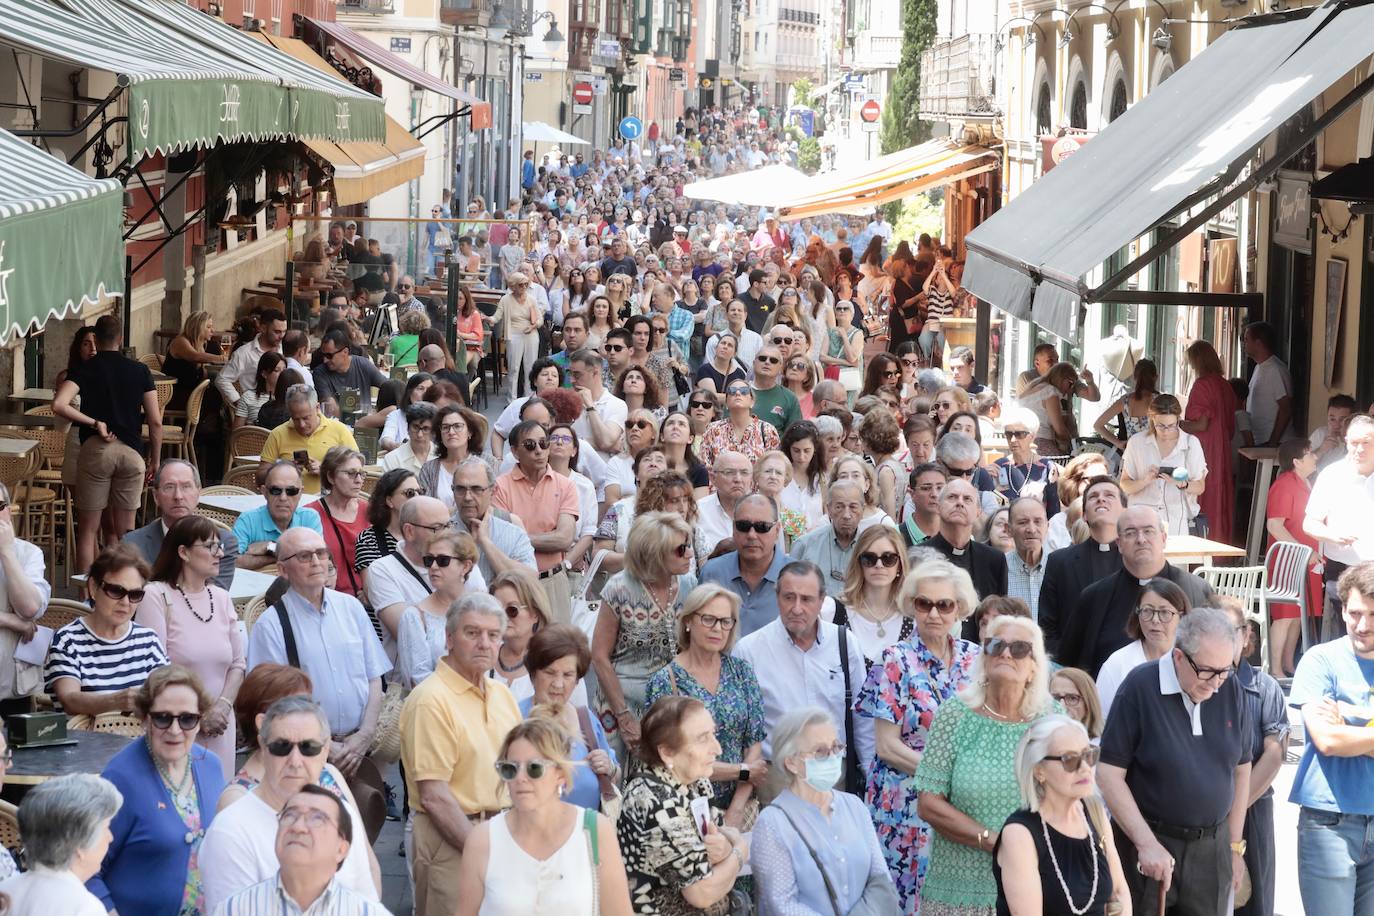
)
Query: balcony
[
  {"x": 878, "y": 50},
  {"x": 956, "y": 79},
  {"x": 581, "y": 48},
  {"x": 367, "y": 6},
  {"x": 464, "y": 12},
  {"x": 798, "y": 17}
]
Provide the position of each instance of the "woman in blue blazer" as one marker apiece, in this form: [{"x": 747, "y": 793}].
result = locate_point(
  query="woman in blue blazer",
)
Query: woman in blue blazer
[{"x": 171, "y": 786}]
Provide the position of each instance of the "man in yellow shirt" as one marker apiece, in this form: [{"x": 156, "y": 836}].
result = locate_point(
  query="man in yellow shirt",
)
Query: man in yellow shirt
[
  {"x": 452, "y": 728},
  {"x": 305, "y": 438}
]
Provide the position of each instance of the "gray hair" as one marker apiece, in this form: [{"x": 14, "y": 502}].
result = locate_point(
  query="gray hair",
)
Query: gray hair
[
  {"x": 827, "y": 425},
  {"x": 957, "y": 447},
  {"x": 1202, "y": 624},
  {"x": 1360, "y": 420},
  {"x": 1021, "y": 416},
  {"x": 786, "y": 739},
  {"x": 828, "y": 390},
  {"x": 754, "y": 497},
  {"x": 471, "y": 460},
  {"x": 176, "y": 462},
  {"x": 293, "y": 706},
  {"x": 1031, "y": 751},
  {"x": 297, "y": 393},
  {"x": 63, "y": 816},
  {"x": 930, "y": 381},
  {"x": 475, "y": 603}
]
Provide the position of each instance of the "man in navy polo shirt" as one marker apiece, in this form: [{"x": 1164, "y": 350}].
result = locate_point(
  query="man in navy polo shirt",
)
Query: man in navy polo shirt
[
  {"x": 1334, "y": 784},
  {"x": 1175, "y": 771}
]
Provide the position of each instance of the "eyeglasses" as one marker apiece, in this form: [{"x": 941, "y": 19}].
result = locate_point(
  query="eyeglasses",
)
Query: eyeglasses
[
  {"x": 835, "y": 750},
  {"x": 887, "y": 558},
  {"x": 560, "y": 439},
  {"x": 186, "y": 721},
  {"x": 314, "y": 818},
  {"x": 441, "y": 560},
  {"x": 432, "y": 529},
  {"x": 1017, "y": 434},
  {"x": 451, "y": 429},
  {"x": 911, "y": 363},
  {"x": 215, "y": 548},
  {"x": 508, "y": 770},
  {"x": 320, "y": 555},
  {"x": 771, "y": 360},
  {"x": 355, "y": 474},
  {"x": 412, "y": 492},
  {"x": 1069, "y": 699},
  {"x": 683, "y": 549},
  {"x": 282, "y": 747},
  {"x": 474, "y": 490},
  {"x": 533, "y": 445},
  {"x": 119, "y": 592},
  {"x": 1153, "y": 614},
  {"x": 945, "y": 606},
  {"x": 712, "y": 622},
  {"x": 283, "y": 491},
  {"x": 1165, "y": 427},
  {"x": 744, "y": 527},
  {"x": 1072, "y": 763},
  {"x": 1204, "y": 673},
  {"x": 994, "y": 646}
]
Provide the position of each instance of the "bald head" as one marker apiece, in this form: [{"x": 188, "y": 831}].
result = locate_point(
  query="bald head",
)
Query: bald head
[
  {"x": 422, "y": 519},
  {"x": 303, "y": 559},
  {"x": 958, "y": 510}
]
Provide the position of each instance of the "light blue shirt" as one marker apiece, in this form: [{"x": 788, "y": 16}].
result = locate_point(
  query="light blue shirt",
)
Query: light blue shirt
[
  {"x": 257, "y": 525},
  {"x": 1334, "y": 783},
  {"x": 586, "y": 788},
  {"x": 757, "y": 607},
  {"x": 785, "y": 869},
  {"x": 338, "y": 648},
  {"x": 269, "y": 898}
]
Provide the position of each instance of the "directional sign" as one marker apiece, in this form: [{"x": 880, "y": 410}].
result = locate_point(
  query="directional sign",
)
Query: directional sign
[
  {"x": 870, "y": 111},
  {"x": 631, "y": 128}
]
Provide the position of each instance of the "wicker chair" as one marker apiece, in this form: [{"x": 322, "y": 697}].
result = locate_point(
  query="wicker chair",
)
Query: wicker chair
[
  {"x": 115, "y": 723},
  {"x": 62, "y": 611},
  {"x": 181, "y": 440},
  {"x": 227, "y": 489},
  {"x": 9, "y": 829},
  {"x": 245, "y": 446},
  {"x": 152, "y": 360},
  {"x": 252, "y": 611},
  {"x": 370, "y": 480},
  {"x": 245, "y": 477}
]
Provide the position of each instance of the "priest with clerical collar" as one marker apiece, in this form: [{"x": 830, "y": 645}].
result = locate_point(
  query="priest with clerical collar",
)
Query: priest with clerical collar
[
  {"x": 985, "y": 565},
  {"x": 1097, "y": 627},
  {"x": 1069, "y": 570}
]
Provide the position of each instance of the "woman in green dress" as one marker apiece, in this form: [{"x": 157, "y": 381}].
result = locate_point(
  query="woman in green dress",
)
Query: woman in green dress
[{"x": 967, "y": 776}]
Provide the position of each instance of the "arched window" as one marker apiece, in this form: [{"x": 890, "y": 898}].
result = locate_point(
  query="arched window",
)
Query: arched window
[
  {"x": 1118, "y": 101},
  {"x": 1078, "y": 106},
  {"x": 1044, "y": 120}
]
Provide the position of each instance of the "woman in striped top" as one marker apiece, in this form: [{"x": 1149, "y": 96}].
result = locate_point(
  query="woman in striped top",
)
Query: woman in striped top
[
  {"x": 97, "y": 663},
  {"x": 939, "y": 305}
]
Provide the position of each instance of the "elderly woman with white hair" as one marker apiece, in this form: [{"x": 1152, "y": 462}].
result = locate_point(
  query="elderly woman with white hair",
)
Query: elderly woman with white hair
[
  {"x": 814, "y": 846},
  {"x": 903, "y": 691},
  {"x": 65, "y": 823},
  {"x": 1062, "y": 825},
  {"x": 524, "y": 317},
  {"x": 1022, "y": 472},
  {"x": 975, "y": 735}
]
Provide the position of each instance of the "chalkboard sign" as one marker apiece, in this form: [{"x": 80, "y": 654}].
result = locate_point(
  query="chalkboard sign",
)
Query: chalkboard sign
[{"x": 1335, "y": 302}]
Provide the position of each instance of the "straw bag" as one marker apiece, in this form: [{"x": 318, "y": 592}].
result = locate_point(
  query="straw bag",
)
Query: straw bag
[{"x": 386, "y": 742}]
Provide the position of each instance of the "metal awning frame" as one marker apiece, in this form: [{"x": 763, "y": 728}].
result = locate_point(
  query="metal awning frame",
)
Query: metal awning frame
[
  {"x": 1225, "y": 188},
  {"x": 440, "y": 120}
]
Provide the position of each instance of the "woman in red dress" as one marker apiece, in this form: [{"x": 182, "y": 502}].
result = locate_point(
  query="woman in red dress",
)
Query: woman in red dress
[
  {"x": 1211, "y": 416},
  {"x": 1283, "y": 521}
]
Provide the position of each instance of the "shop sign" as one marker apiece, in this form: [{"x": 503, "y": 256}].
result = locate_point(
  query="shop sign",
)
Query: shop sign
[
  {"x": 1054, "y": 150},
  {"x": 1293, "y": 212},
  {"x": 1221, "y": 265}
]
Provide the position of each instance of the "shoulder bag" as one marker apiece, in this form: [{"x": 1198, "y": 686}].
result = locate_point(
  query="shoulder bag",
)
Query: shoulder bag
[
  {"x": 879, "y": 897},
  {"x": 852, "y": 783}
]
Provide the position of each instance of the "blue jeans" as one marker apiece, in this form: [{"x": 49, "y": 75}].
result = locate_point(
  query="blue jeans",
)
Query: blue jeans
[
  {"x": 932, "y": 342},
  {"x": 1336, "y": 863}
]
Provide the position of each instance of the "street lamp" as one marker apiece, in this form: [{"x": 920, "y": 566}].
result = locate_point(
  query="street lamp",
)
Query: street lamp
[{"x": 522, "y": 27}]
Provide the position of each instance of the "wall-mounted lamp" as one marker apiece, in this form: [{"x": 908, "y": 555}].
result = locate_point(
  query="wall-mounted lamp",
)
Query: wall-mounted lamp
[{"x": 1162, "y": 39}]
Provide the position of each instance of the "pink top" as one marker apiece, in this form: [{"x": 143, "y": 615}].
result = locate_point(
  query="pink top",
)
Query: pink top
[{"x": 471, "y": 330}]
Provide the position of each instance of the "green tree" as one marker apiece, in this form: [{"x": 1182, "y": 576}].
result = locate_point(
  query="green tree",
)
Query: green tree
[
  {"x": 809, "y": 155},
  {"x": 802, "y": 90},
  {"x": 901, "y": 126}
]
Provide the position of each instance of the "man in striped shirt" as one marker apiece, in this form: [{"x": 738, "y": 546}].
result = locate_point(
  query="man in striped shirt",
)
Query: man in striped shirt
[{"x": 314, "y": 833}]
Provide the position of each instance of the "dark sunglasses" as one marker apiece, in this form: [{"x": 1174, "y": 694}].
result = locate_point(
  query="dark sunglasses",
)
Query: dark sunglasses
[
  {"x": 404, "y": 286},
  {"x": 959, "y": 472},
  {"x": 887, "y": 558},
  {"x": 638, "y": 424},
  {"x": 744, "y": 527},
  {"x": 702, "y": 405},
  {"x": 994, "y": 646},
  {"x": 282, "y": 747},
  {"x": 412, "y": 492},
  {"x": 911, "y": 363},
  {"x": 1073, "y": 762},
  {"x": 441, "y": 560},
  {"x": 531, "y": 445},
  {"x": 614, "y": 348},
  {"x": 513, "y": 610},
  {"x": 924, "y": 605},
  {"x": 283, "y": 491},
  {"x": 508, "y": 770},
  {"x": 1017, "y": 433},
  {"x": 737, "y": 389},
  {"x": 891, "y": 373},
  {"x": 768, "y": 359},
  {"x": 119, "y": 592},
  {"x": 683, "y": 549},
  {"x": 186, "y": 721}
]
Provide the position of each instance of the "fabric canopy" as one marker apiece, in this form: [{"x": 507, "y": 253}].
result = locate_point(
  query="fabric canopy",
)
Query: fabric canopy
[
  {"x": 1030, "y": 259},
  {"x": 763, "y": 187},
  {"x": 860, "y": 188},
  {"x": 538, "y": 131},
  {"x": 380, "y": 57},
  {"x": 60, "y": 245},
  {"x": 1353, "y": 183},
  {"x": 192, "y": 80}
]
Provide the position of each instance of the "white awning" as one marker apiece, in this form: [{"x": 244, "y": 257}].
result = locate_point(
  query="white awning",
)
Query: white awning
[{"x": 538, "y": 131}]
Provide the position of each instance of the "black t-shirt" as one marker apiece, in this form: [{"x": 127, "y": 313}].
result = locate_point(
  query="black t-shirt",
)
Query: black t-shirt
[
  {"x": 112, "y": 388},
  {"x": 625, "y": 265},
  {"x": 756, "y": 309},
  {"x": 1176, "y": 777}
]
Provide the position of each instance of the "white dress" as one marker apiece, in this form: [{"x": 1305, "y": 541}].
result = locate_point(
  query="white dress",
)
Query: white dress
[{"x": 517, "y": 884}]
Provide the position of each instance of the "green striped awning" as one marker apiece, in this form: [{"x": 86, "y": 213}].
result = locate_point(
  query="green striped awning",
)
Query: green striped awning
[
  {"x": 192, "y": 80},
  {"x": 60, "y": 245}
]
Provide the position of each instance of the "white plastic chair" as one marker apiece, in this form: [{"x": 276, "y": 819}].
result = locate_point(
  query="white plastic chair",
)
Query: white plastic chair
[
  {"x": 1286, "y": 581},
  {"x": 1247, "y": 584}
]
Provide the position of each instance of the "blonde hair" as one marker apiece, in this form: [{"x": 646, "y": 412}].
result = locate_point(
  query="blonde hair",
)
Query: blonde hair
[
  {"x": 854, "y": 573},
  {"x": 1036, "y": 699},
  {"x": 544, "y": 729},
  {"x": 194, "y": 326},
  {"x": 523, "y": 581},
  {"x": 940, "y": 570},
  {"x": 696, "y": 601},
  {"x": 464, "y": 547},
  {"x": 653, "y": 536}
]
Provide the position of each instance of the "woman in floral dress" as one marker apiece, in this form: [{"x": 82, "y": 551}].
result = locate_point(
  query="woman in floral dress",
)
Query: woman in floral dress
[
  {"x": 740, "y": 431},
  {"x": 901, "y": 695},
  {"x": 635, "y": 628}
]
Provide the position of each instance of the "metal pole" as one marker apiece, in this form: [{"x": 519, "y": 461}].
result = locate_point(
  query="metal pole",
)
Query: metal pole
[
  {"x": 451, "y": 316},
  {"x": 128, "y": 295},
  {"x": 290, "y": 293}
]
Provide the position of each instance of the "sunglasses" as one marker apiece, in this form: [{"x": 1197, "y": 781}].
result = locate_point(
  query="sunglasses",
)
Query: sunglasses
[
  {"x": 870, "y": 560},
  {"x": 1206, "y": 674},
  {"x": 119, "y": 592},
  {"x": 638, "y": 424},
  {"x": 186, "y": 721},
  {"x": 945, "y": 606},
  {"x": 283, "y": 491},
  {"x": 1017, "y": 434},
  {"x": 281, "y": 747},
  {"x": 702, "y": 405},
  {"x": 744, "y": 527},
  {"x": 782, "y": 341},
  {"x": 683, "y": 550},
  {"x": 614, "y": 348},
  {"x": 1073, "y": 762},
  {"x": 994, "y": 646},
  {"x": 405, "y": 286},
  {"x": 911, "y": 363},
  {"x": 738, "y": 389},
  {"x": 513, "y": 610},
  {"x": 441, "y": 560},
  {"x": 771, "y": 360},
  {"x": 531, "y": 445},
  {"x": 508, "y": 770},
  {"x": 959, "y": 472}
]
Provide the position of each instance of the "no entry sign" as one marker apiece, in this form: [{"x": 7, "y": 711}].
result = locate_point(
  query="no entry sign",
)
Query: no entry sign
[
  {"x": 582, "y": 93},
  {"x": 870, "y": 111}
]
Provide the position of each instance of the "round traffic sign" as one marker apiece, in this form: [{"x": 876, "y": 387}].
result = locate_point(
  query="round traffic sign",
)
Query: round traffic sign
[
  {"x": 870, "y": 110},
  {"x": 582, "y": 93},
  {"x": 631, "y": 127}
]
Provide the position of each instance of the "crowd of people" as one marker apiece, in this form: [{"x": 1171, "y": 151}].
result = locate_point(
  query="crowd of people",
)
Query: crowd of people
[{"x": 752, "y": 598}]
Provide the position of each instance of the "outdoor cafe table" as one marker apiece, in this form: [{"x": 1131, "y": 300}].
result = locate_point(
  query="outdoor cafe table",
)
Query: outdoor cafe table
[
  {"x": 1190, "y": 550},
  {"x": 89, "y": 754},
  {"x": 15, "y": 448},
  {"x": 29, "y": 421},
  {"x": 242, "y": 502},
  {"x": 34, "y": 395}
]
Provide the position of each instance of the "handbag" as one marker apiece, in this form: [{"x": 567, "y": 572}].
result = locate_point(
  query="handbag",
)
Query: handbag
[
  {"x": 386, "y": 741},
  {"x": 878, "y": 899}
]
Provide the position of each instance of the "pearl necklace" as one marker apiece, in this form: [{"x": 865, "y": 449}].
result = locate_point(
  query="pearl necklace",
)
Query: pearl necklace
[
  {"x": 208, "y": 593},
  {"x": 1063, "y": 885}
]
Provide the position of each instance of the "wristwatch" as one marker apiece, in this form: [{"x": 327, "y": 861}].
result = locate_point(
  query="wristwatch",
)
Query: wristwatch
[
  {"x": 1238, "y": 847},
  {"x": 743, "y": 773}
]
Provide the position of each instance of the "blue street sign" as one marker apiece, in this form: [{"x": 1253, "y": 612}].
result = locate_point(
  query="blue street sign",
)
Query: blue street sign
[{"x": 631, "y": 127}]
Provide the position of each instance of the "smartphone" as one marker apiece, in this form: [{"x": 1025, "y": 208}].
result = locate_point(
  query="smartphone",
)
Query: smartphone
[
  {"x": 1166, "y": 472},
  {"x": 301, "y": 457}
]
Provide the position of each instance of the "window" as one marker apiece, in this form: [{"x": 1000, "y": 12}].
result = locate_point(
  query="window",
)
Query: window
[
  {"x": 1078, "y": 107},
  {"x": 1044, "y": 120},
  {"x": 1118, "y": 100}
]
